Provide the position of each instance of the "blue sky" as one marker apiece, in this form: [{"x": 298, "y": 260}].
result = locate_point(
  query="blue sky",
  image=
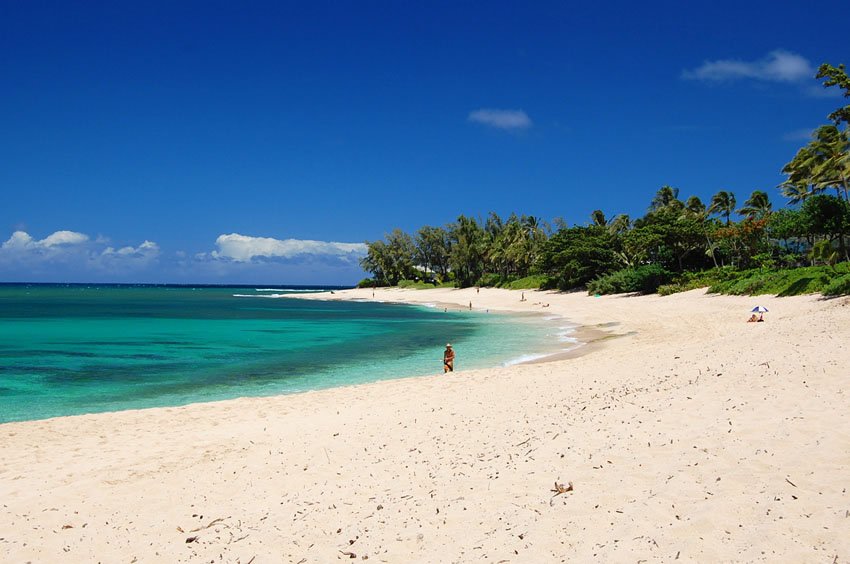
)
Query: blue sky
[{"x": 263, "y": 142}]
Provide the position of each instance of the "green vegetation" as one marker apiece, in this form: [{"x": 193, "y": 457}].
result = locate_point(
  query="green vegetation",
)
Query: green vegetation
[
  {"x": 533, "y": 282},
  {"x": 782, "y": 282},
  {"x": 422, "y": 285},
  {"x": 644, "y": 279},
  {"x": 676, "y": 246},
  {"x": 838, "y": 287}
]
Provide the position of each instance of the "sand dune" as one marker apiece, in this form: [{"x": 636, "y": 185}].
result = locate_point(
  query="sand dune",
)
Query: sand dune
[{"x": 687, "y": 435}]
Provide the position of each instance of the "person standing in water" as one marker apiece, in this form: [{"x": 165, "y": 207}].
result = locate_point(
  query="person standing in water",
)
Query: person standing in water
[{"x": 448, "y": 359}]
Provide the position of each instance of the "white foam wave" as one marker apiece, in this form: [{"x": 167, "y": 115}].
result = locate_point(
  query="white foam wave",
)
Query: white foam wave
[
  {"x": 563, "y": 335},
  {"x": 525, "y": 358},
  {"x": 290, "y": 290}
]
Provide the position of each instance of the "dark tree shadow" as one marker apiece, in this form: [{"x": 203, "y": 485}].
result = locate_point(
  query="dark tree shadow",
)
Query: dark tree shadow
[{"x": 796, "y": 288}]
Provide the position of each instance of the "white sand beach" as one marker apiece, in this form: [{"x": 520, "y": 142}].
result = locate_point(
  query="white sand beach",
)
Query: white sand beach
[{"x": 686, "y": 434}]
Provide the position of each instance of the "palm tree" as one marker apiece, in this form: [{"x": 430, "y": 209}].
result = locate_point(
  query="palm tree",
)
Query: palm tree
[
  {"x": 696, "y": 208},
  {"x": 535, "y": 234},
  {"x": 723, "y": 203},
  {"x": 468, "y": 243},
  {"x": 795, "y": 192},
  {"x": 695, "y": 205},
  {"x": 597, "y": 217},
  {"x": 666, "y": 197},
  {"x": 832, "y": 170},
  {"x": 823, "y": 163},
  {"x": 531, "y": 225},
  {"x": 620, "y": 224},
  {"x": 824, "y": 252},
  {"x": 757, "y": 206}
]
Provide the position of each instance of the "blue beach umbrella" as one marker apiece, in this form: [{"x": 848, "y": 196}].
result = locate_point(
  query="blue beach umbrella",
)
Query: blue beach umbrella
[{"x": 759, "y": 309}]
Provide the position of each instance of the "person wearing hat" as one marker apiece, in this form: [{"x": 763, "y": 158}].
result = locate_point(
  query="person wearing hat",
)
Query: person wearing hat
[{"x": 448, "y": 359}]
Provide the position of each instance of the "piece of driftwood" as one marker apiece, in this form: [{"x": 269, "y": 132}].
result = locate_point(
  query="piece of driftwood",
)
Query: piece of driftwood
[{"x": 560, "y": 489}]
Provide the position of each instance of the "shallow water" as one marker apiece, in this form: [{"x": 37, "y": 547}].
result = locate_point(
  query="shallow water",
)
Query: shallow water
[{"x": 72, "y": 349}]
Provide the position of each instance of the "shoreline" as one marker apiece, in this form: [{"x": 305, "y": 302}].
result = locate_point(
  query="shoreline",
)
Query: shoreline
[
  {"x": 687, "y": 434},
  {"x": 587, "y": 337},
  {"x": 549, "y": 349}
]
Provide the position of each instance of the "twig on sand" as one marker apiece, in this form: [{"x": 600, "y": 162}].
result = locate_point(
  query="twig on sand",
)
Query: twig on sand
[
  {"x": 560, "y": 489},
  {"x": 211, "y": 523},
  {"x": 790, "y": 482}
]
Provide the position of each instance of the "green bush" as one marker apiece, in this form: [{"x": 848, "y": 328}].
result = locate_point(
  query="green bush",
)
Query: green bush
[
  {"x": 703, "y": 279},
  {"x": 644, "y": 279},
  {"x": 534, "y": 282},
  {"x": 367, "y": 283},
  {"x": 838, "y": 287},
  {"x": 490, "y": 280},
  {"x": 782, "y": 282},
  {"x": 549, "y": 283},
  {"x": 419, "y": 284}
]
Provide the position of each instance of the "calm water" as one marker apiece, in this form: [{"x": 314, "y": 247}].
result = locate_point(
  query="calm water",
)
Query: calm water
[{"x": 71, "y": 349}]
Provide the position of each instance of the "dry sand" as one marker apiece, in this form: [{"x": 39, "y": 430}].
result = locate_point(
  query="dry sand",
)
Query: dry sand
[{"x": 687, "y": 435}]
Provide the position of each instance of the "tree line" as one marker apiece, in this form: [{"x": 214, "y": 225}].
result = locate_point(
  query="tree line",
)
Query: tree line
[{"x": 674, "y": 237}]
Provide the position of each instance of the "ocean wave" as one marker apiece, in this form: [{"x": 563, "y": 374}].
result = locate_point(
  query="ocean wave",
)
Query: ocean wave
[
  {"x": 526, "y": 358},
  {"x": 291, "y": 290},
  {"x": 522, "y": 359},
  {"x": 564, "y": 333}
]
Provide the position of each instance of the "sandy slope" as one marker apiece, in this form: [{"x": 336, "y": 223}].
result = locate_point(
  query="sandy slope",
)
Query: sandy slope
[{"x": 692, "y": 436}]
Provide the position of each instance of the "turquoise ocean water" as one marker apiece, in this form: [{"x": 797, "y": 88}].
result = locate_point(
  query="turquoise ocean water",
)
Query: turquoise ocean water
[{"x": 72, "y": 349}]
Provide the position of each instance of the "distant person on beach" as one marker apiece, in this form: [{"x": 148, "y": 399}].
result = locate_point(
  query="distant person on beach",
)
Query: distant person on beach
[
  {"x": 752, "y": 318},
  {"x": 448, "y": 359}
]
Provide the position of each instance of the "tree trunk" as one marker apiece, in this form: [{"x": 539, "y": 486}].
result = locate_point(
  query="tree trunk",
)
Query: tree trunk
[{"x": 710, "y": 249}]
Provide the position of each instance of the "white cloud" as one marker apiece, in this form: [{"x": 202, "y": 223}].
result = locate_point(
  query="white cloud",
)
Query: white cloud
[
  {"x": 21, "y": 241},
  {"x": 146, "y": 249},
  {"x": 126, "y": 257},
  {"x": 777, "y": 66},
  {"x": 243, "y": 248},
  {"x": 501, "y": 119},
  {"x": 64, "y": 238},
  {"x": 66, "y": 252}
]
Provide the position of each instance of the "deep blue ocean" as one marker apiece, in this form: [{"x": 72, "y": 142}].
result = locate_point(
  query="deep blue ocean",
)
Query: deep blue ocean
[{"x": 85, "y": 348}]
